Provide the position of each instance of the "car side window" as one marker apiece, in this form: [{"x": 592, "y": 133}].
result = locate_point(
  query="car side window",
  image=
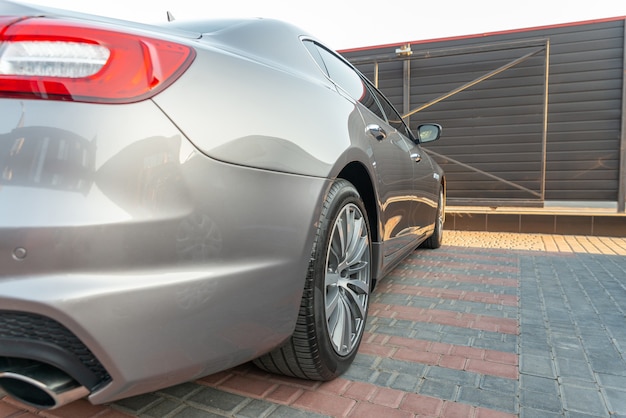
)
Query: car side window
[
  {"x": 342, "y": 74},
  {"x": 315, "y": 53},
  {"x": 393, "y": 118},
  {"x": 356, "y": 86}
]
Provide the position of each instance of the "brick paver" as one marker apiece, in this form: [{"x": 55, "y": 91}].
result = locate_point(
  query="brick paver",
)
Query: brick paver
[{"x": 490, "y": 325}]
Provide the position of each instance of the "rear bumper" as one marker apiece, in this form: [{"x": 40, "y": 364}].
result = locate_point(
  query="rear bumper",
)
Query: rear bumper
[{"x": 157, "y": 328}]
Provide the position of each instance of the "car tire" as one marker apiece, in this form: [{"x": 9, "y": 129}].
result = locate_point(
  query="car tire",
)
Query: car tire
[
  {"x": 436, "y": 239},
  {"x": 334, "y": 305}
]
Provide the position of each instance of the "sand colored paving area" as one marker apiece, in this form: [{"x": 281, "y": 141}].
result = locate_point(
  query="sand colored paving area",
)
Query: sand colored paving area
[{"x": 537, "y": 242}]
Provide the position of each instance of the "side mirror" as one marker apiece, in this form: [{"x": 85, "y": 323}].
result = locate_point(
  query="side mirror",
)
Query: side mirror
[{"x": 429, "y": 132}]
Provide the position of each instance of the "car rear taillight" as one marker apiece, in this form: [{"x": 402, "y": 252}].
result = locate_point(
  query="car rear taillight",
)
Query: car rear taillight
[{"x": 57, "y": 59}]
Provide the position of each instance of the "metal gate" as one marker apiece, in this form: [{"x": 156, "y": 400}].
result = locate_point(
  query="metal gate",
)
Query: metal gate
[
  {"x": 475, "y": 177},
  {"x": 528, "y": 116}
]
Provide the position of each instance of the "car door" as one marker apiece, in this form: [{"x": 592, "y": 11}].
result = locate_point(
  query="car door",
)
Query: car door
[
  {"x": 423, "y": 190},
  {"x": 395, "y": 175}
]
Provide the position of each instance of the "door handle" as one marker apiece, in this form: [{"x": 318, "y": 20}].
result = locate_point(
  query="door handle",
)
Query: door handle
[
  {"x": 417, "y": 157},
  {"x": 376, "y": 131}
]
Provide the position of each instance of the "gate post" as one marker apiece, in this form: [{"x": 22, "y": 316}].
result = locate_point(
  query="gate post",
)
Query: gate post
[{"x": 621, "y": 194}]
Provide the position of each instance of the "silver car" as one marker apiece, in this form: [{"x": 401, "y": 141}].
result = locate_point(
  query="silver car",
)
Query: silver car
[{"x": 179, "y": 199}]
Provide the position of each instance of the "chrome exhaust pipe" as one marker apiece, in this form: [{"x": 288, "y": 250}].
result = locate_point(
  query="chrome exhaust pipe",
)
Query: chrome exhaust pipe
[{"x": 39, "y": 385}]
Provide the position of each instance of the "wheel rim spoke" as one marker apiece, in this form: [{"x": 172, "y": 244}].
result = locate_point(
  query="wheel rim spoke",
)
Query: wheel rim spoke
[
  {"x": 347, "y": 279},
  {"x": 441, "y": 214},
  {"x": 332, "y": 294},
  {"x": 352, "y": 292}
]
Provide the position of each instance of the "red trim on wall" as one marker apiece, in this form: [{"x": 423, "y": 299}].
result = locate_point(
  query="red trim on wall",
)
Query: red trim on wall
[{"x": 481, "y": 35}]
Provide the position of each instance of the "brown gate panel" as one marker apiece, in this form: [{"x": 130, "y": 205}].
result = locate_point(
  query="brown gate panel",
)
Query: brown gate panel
[{"x": 528, "y": 116}]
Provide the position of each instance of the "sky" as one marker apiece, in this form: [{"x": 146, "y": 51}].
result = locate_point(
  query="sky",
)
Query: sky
[{"x": 346, "y": 24}]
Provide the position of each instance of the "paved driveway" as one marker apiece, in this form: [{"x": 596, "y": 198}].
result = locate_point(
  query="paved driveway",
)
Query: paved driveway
[{"x": 490, "y": 325}]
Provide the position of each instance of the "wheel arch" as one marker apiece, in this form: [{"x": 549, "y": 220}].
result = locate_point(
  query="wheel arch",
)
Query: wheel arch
[{"x": 356, "y": 173}]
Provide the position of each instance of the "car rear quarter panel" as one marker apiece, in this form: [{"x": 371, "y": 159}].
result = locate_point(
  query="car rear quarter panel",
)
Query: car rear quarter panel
[{"x": 263, "y": 114}]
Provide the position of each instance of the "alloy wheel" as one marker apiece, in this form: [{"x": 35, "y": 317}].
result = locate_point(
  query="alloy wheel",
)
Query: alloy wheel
[{"x": 347, "y": 279}]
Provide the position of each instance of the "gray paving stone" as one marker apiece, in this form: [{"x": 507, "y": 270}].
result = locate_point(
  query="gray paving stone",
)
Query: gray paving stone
[
  {"x": 539, "y": 384},
  {"x": 458, "y": 377},
  {"x": 558, "y": 316},
  {"x": 497, "y": 341},
  {"x": 613, "y": 320},
  {"x": 574, "y": 414},
  {"x": 494, "y": 383},
  {"x": 403, "y": 324},
  {"x": 405, "y": 383},
  {"x": 572, "y": 351},
  {"x": 383, "y": 379},
  {"x": 566, "y": 341},
  {"x": 191, "y": 412},
  {"x": 402, "y": 367},
  {"x": 537, "y": 365},
  {"x": 587, "y": 400},
  {"x": 527, "y": 322},
  {"x": 138, "y": 403},
  {"x": 430, "y": 327},
  {"x": 596, "y": 341},
  {"x": 365, "y": 360},
  {"x": 506, "y": 345},
  {"x": 287, "y": 412},
  {"x": 575, "y": 369},
  {"x": 540, "y": 401},
  {"x": 611, "y": 380},
  {"x": 462, "y": 332},
  {"x": 426, "y": 335},
  {"x": 534, "y": 334},
  {"x": 161, "y": 409},
  {"x": 577, "y": 356},
  {"x": 456, "y": 339},
  {"x": 533, "y": 348},
  {"x": 615, "y": 400},
  {"x": 213, "y": 398},
  {"x": 611, "y": 363},
  {"x": 537, "y": 413},
  {"x": 571, "y": 381},
  {"x": 446, "y": 390},
  {"x": 256, "y": 409},
  {"x": 358, "y": 373},
  {"x": 488, "y": 399}
]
